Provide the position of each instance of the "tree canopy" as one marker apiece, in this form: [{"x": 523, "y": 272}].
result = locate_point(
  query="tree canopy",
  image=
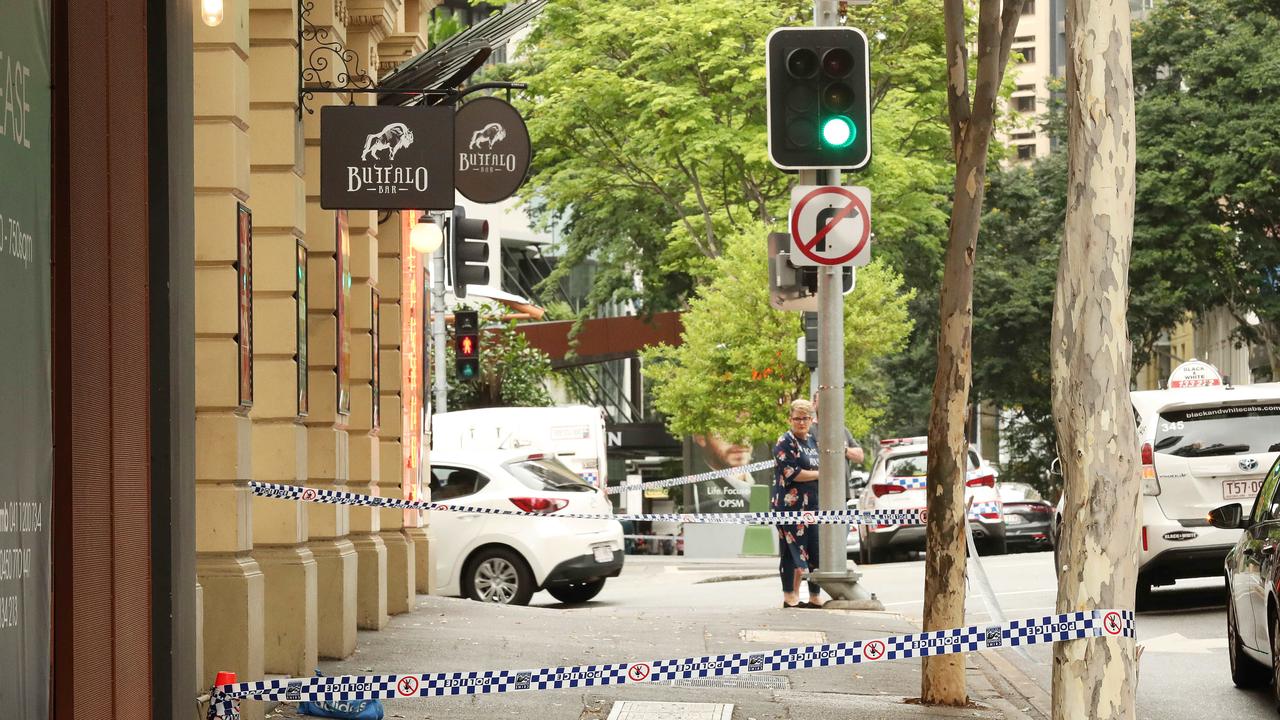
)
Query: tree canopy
[{"x": 737, "y": 369}]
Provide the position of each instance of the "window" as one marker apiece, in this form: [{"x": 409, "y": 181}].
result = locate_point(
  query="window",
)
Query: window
[
  {"x": 1028, "y": 53},
  {"x": 1220, "y": 431},
  {"x": 547, "y": 474},
  {"x": 1023, "y": 136},
  {"x": 917, "y": 465},
  {"x": 1024, "y": 103},
  {"x": 449, "y": 483},
  {"x": 1026, "y": 152}
]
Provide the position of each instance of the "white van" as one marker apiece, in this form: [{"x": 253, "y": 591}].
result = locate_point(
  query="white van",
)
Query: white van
[{"x": 575, "y": 433}]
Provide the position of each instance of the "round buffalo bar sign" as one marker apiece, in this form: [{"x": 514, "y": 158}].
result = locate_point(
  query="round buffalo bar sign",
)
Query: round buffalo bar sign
[{"x": 491, "y": 150}]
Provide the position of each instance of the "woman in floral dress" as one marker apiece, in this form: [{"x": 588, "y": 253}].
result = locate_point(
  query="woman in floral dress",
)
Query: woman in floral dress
[{"x": 795, "y": 488}]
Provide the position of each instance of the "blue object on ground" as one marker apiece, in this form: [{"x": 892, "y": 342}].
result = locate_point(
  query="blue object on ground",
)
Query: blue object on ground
[{"x": 344, "y": 709}]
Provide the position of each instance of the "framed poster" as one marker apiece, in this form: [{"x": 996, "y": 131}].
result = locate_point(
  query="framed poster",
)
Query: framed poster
[
  {"x": 244, "y": 287},
  {"x": 375, "y": 301},
  {"x": 343, "y": 265},
  {"x": 300, "y": 295}
]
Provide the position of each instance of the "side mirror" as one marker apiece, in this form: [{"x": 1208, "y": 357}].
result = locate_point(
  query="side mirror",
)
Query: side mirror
[
  {"x": 1055, "y": 467},
  {"x": 1228, "y": 517}
]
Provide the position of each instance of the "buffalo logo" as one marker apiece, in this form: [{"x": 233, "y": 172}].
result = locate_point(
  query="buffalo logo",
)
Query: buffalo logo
[
  {"x": 393, "y": 138},
  {"x": 1248, "y": 464},
  {"x": 489, "y": 135}
]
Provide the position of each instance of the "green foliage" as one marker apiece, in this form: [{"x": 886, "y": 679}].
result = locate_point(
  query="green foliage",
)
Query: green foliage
[
  {"x": 736, "y": 369},
  {"x": 649, "y": 124},
  {"x": 511, "y": 372},
  {"x": 1208, "y": 201},
  {"x": 443, "y": 26}
]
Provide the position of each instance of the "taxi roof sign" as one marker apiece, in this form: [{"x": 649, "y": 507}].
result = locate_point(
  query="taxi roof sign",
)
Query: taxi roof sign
[{"x": 1194, "y": 374}]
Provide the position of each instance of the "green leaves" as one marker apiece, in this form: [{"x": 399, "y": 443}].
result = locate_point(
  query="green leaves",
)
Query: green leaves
[
  {"x": 511, "y": 372},
  {"x": 737, "y": 370}
]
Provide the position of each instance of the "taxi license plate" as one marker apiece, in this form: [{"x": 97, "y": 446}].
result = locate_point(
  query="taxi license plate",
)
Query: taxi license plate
[
  {"x": 604, "y": 553},
  {"x": 1240, "y": 489}
]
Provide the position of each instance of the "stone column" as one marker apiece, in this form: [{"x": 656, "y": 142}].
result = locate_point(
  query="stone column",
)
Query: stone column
[
  {"x": 280, "y": 439},
  {"x": 230, "y": 579},
  {"x": 395, "y": 468},
  {"x": 327, "y": 462},
  {"x": 371, "y": 592}
]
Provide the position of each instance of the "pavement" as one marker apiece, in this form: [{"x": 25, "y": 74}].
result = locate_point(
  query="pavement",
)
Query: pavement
[{"x": 450, "y": 634}]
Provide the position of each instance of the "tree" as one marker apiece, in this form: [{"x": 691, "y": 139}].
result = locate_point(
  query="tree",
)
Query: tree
[
  {"x": 736, "y": 369},
  {"x": 972, "y": 120},
  {"x": 511, "y": 372},
  {"x": 1208, "y": 202},
  {"x": 649, "y": 121},
  {"x": 1097, "y": 436}
]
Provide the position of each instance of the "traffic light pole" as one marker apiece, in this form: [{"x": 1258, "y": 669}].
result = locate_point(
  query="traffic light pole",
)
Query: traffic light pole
[{"x": 834, "y": 574}]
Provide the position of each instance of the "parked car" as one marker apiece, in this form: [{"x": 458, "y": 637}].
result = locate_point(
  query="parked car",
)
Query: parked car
[
  {"x": 897, "y": 483},
  {"x": 1028, "y": 519},
  {"x": 1253, "y": 576},
  {"x": 1201, "y": 445},
  {"x": 507, "y": 558}
]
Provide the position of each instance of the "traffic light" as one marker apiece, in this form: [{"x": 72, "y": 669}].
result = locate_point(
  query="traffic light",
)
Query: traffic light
[
  {"x": 466, "y": 344},
  {"x": 810, "y": 322},
  {"x": 819, "y": 106},
  {"x": 468, "y": 250}
]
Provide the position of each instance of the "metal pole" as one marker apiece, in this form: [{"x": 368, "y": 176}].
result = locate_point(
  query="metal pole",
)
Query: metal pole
[
  {"x": 437, "y": 328},
  {"x": 834, "y": 574}
]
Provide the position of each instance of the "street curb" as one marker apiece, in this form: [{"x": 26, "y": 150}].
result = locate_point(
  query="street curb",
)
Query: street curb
[{"x": 1001, "y": 672}]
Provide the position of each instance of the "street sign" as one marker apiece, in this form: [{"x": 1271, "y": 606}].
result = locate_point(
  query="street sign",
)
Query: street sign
[
  {"x": 386, "y": 158},
  {"x": 491, "y": 150},
  {"x": 830, "y": 225},
  {"x": 1194, "y": 374}
]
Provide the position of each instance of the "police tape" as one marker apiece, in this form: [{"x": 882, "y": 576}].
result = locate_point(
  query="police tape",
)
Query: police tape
[
  {"x": 691, "y": 479},
  {"x": 1014, "y": 633},
  {"x": 906, "y": 516}
]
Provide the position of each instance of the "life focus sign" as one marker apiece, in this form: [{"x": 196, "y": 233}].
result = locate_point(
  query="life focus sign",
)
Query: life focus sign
[
  {"x": 491, "y": 150},
  {"x": 386, "y": 158}
]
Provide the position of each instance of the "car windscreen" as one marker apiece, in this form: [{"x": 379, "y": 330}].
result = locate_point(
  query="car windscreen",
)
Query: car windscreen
[
  {"x": 1209, "y": 432},
  {"x": 916, "y": 465},
  {"x": 547, "y": 474}
]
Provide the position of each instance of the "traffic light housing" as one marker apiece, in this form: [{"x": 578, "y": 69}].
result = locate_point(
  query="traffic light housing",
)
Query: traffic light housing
[
  {"x": 468, "y": 251},
  {"x": 809, "y": 320},
  {"x": 466, "y": 344},
  {"x": 818, "y": 99}
]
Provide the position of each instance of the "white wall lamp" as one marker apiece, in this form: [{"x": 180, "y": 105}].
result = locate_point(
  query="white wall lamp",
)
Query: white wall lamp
[
  {"x": 211, "y": 12},
  {"x": 425, "y": 237}
]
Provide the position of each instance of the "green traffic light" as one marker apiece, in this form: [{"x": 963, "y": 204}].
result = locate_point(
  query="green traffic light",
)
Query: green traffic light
[
  {"x": 468, "y": 371},
  {"x": 838, "y": 131}
]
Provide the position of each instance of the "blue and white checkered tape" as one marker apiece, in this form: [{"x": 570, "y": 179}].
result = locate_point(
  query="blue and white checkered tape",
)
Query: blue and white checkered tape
[
  {"x": 1028, "y": 631},
  {"x": 808, "y": 517},
  {"x": 690, "y": 479}
]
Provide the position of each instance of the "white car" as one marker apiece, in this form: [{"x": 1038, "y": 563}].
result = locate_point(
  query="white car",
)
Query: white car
[
  {"x": 897, "y": 482},
  {"x": 1201, "y": 447},
  {"x": 507, "y": 558}
]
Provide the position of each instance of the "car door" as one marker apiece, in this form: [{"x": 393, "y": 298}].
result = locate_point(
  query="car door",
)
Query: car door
[
  {"x": 451, "y": 532},
  {"x": 1256, "y": 563}
]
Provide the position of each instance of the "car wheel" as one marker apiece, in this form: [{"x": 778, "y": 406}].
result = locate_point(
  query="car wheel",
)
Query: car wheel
[
  {"x": 499, "y": 575},
  {"x": 577, "y": 592},
  {"x": 1245, "y": 671}
]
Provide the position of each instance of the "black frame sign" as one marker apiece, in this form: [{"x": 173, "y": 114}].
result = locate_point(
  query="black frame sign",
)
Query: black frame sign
[
  {"x": 491, "y": 149},
  {"x": 386, "y": 158}
]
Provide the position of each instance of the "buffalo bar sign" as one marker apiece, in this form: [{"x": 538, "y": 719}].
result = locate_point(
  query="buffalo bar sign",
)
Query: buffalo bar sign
[
  {"x": 492, "y": 150},
  {"x": 386, "y": 158}
]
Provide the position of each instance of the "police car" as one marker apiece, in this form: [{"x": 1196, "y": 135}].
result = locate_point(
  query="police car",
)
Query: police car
[
  {"x": 897, "y": 482},
  {"x": 1203, "y": 443}
]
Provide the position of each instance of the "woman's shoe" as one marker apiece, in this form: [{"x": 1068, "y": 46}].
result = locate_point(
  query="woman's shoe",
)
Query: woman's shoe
[{"x": 785, "y": 606}]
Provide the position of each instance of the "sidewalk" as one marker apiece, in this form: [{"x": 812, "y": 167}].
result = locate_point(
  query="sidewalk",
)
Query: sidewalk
[{"x": 448, "y": 634}]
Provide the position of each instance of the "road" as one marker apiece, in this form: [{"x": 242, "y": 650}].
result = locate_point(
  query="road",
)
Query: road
[{"x": 1184, "y": 665}]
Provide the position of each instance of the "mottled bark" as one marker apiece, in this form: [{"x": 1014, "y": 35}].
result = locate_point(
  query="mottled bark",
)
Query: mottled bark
[
  {"x": 942, "y": 681},
  {"x": 1097, "y": 438}
]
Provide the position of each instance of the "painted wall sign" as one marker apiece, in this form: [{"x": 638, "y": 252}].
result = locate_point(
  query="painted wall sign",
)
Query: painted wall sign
[
  {"x": 26, "y": 441},
  {"x": 244, "y": 295},
  {"x": 491, "y": 149},
  {"x": 386, "y": 158}
]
